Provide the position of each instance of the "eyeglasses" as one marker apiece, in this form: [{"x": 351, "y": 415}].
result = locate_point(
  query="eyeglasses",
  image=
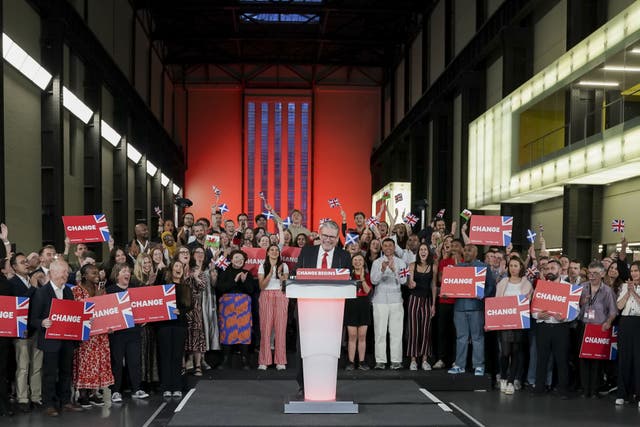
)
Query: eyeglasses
[
  {"x": 326, "y": 236},
  {"x": 593, "y": 273}
]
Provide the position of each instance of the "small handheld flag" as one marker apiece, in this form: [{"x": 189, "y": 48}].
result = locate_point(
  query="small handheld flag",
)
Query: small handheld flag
[
  {"x": 440, "y": 213},
  {"x": 352, "y": 238},
  {"x": 334, "y": 203},
  {"x": 531, "y": 236},
  {"x": 224, "y": 208},
  {"x": 268, "y": 214},
  {"x": 466, "y": 214},
  {"x": 541, "y": 228},
  {"x": 222, "y": 262},
  {"x": 287, "y": 221},
  {"x": 404, "y": 272},
  {"x": 372, "y": 222},
  {"x": 617, "y": 225},
  {"x": 216, "y": 190},
  {"x": 158, "y": 211},
  {"x": 261, "y": 194},
  {"x": 323, "y": 220},
  {"x": 386, "y": 195},
  {"x": 411, "y": 219},
  {"x": 398, "y": 197},
  {"x": 532, "y": 271}
]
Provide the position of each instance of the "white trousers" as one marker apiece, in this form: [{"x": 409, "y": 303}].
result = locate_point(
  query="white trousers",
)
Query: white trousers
[{"x": 388, "y": 317}]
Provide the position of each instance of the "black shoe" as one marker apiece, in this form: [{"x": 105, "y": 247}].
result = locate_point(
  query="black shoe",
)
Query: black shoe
[
  {"x": 226, "y": 363},
  {"x": 24, "y": 407},
  {"x": 84, "y": 402},
  {"x": 363, "y": 366},
  {"x": 95, "y": 400},
  {"x": 37, "y": 405},
  {"x": 350, "y": 367}
]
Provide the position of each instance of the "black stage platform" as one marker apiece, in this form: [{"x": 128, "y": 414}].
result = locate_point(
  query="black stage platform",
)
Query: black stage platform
[{"x": 260, "y": 403}]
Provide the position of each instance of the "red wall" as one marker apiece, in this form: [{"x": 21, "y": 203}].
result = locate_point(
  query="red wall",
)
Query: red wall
[{"x": 346, "y": 123}]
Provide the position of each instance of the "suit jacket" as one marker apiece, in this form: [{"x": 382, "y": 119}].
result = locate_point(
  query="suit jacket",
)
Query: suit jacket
[
  {"x": 39, "y": 310},
  {"x": 308, "y": 258},
  {"x": 20, "y": 290}
]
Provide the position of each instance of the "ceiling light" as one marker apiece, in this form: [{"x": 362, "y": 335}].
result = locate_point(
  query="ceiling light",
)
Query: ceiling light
[
  {"x": 176, "y": 190},
  {"x": 635, "y": 50},
  {"x": 164, "y": 180},
  {"x": 621, "y": 68},
  {"x": 598, "y": 83},
  {"x": 151, "y": 168},
  {"x": 75, "y": 106},
  {"x": 109, "y": 133},
  {"x": 24, "y": 63},
  {"x": 133, "y": 154},
  {"x": 609, "y": 175}
]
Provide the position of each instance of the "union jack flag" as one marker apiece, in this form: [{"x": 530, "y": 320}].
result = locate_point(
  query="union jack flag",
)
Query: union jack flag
[
  {"x": 411, "y": 219},
  {"x": 101, "y": 222},
  {"x": 525, "y": 313},
  {"x": 481, "y": 275},
  {"x": 532, "y": 272},
  {"x": 334, "y": 203},
  {"x": 373, "y": 221},
  {"x": 86, "y": 322},
  {"x": 574, "y": 303},
  {"x": 268, "y": 214},
  {"x": 216, "y": 190},
  {"x": 507, "y": 221},
  {"x": 158, "y": 211},
  {"x": 127, "y": 313},
  {"x": 352, "y": 238},
  {"x": 440, "y": 213},
  {"x": 169, "y": 296},
  {"x": 398, "y": 197},
  {"x": 22, "y": 314},
  {"x": 613, "y": 351},
  {"x": 224, "y": 208},
  {"x": 617, "y": 225},
  {"x": 287, "y": 222},
  {"x": 323, "y": 220},
  {"x": 222, "y": 262},
  {"x": 404, "y": 272}
]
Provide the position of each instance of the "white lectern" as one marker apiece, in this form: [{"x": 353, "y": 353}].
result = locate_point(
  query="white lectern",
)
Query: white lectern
[{"x": 320, "y": 314}]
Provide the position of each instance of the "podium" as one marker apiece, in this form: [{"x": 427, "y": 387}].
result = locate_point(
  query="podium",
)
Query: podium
[{"x": 320, "y": 315}]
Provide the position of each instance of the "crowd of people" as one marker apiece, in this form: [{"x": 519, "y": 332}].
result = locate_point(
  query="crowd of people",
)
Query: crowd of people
[{"x": 222, "y": 306}]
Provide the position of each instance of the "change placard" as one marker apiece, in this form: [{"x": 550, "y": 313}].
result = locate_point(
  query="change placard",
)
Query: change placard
[
  {"x": 505, "y": 313},
  {"x": 255, "y": 257},
  {"x": 491, "y": 230},
  {"x": 153, "y": 303},
  {"x": 112, "y": 312},
  {"x": 557, "y": 298},
  {"x": 463, "y": 282},
  {"x": 86, "y": 228},
  {"x": 599, "y": 344},
  {"x": 70, "y": 320}
]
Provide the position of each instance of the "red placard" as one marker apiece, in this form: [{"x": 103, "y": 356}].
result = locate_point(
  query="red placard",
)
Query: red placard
[
  {"x": 70, "y": 320},
  {"x": 491, "y": 230},
  {"x": 14, "y": 312},
  {"x": 290, "y": 256},
  {"x": 463, "y": 282},
  {"x": 557, "y": 298},
  {"x": 323, "y": 274},
  {"x": 504, "y": 313},
  {"x": 112, "y": 312},
  {"x": 255, "y": 257},
  {"x": 86, "y": 228},
  {"x": 153, "y": 303},
  {"x": 599, "y": 344}
]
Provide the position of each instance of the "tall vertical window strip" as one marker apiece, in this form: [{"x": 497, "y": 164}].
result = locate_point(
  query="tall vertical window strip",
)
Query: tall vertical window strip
[
  {"x": 278, "y": 152},
  {"x": 264, "y": 147},
  {"x": 304, "y": 163},
  {"x": 251, "y": 147},
  {"x": 291, "y": 155}
]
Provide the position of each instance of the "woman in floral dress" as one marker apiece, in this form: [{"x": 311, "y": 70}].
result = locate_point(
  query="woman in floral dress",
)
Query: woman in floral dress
[
  {"x": 92, "y": 359},
  {"x": 197, "y": 280}
]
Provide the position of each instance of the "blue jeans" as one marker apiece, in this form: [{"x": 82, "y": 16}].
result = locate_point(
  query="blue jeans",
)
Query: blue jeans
[{"x": 469, "y": 324}]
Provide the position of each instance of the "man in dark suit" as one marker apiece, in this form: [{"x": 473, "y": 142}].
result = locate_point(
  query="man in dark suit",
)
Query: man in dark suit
[
  {"x": 325, "y": 255},
  {"x": 57, "y": 354},
  {"x": 28, "y": 356}
]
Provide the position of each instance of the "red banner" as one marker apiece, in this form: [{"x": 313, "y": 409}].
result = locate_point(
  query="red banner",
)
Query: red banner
[
  {"x": 463, "y": 282},
  {"x": 14, "y": 313},
  {"x": 504, "y": 313},
  {"x": 86, "y": 228},
  {"x": 70, "y": 320},
  {"x": 323, "y": 274},
  {"x": 599, "y": 344},
  {"x": 290, "y": 256},
  {"x": 153, "y": 303},
  {"x": 112, "y": 312},
  {"x": 491, "y": 230},
  {"x": 255, "y": 257},
  {"x": 557, "y": 298}
]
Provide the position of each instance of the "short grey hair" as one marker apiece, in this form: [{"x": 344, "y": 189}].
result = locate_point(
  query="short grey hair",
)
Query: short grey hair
[{"x": 331, "y": 224}]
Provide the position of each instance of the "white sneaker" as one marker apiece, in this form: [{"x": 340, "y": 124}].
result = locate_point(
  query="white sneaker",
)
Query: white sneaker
[
  {"x": 189, "y": 365},
  {"x": 262, "y": 367},
  {"x": 438, "y": 365},
  {"x": 116, "y": 397},
  {"x": 281, "y": 367},
  {"x": 413, "y": 366},
  {"x": 619, "y": 402},
  {"x": 426, "y": 366},
  {"x": 517, "y": 385},
  {"x": 510, "y": 389},
  {"x": 503, "y": 386},
  {"x": 140, "y": 394},
  {"x": 166, "y": 394}
]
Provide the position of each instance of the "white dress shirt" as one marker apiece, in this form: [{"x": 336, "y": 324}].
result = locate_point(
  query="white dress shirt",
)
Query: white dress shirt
[{"x": 321, "y": 253}]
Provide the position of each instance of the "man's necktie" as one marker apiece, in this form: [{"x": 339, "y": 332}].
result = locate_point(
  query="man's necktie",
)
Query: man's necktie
[{"x": 324, "y": 260}]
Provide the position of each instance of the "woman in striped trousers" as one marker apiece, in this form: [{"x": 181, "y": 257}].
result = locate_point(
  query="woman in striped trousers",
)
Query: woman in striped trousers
[
  {"x": 421, "y": 307},
  {"x": 273, "y": 309}
]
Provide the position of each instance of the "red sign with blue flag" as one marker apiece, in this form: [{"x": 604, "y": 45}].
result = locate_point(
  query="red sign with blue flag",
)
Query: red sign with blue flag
[
  {"x": 14, "y": 312},
  {"x": 86, "y": 228},
  {"x": 153, "y": 303},
  {"x": 598, "y": 344},
  {"x": 505, "y": 313},
  {"x": 463, "y": 282},
  {"x": 491, "y": 230},
  {"x": 112, "y": 312},
  {"x": 557, "y": 298},
  {"x": 70, "y": 320}
]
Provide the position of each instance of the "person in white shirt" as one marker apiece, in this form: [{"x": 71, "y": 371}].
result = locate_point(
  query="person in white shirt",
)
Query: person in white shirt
[{"x": 388, "y": 274}]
